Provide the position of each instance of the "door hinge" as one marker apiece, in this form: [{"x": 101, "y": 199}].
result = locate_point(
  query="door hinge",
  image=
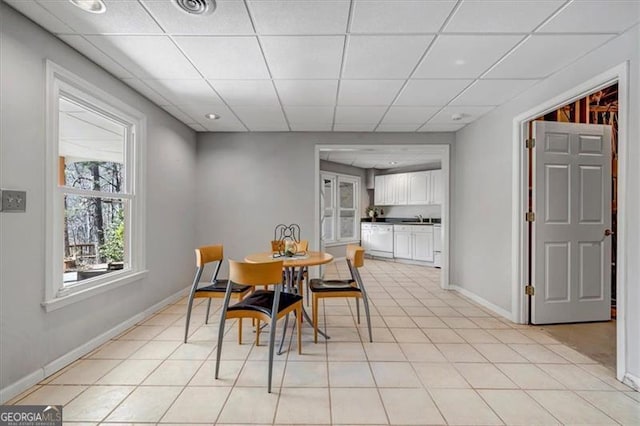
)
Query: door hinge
[
  {"x": 529, "y": 290},
  {"x": 530, "y": 143},
  {"x": 530, "y": 217}
]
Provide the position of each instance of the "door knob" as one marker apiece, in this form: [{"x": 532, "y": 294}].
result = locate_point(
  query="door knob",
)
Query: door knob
[{"x": 608, "y": 232}]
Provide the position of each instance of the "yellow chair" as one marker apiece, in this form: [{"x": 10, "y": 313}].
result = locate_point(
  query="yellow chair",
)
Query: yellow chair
[
  {"x": 261, "y": 305},
  {"x": 216, "y": 288},
  {"x": 353, "y": 287}
]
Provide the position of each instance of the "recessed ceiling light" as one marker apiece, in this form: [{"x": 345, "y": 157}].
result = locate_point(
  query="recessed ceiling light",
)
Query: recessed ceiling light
[
  {"x": 393, "y": 163},
  {"x": 91, "y": 6},
  {"x": 212, "y": 116},
  {"x": 196, "y": 7},
  {"x": 457, "y": 116}
]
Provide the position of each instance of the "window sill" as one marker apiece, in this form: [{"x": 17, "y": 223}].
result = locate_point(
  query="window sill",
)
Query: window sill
[
  {"x": 68, "y": 299},
  {"x": 341, "y": 243}
]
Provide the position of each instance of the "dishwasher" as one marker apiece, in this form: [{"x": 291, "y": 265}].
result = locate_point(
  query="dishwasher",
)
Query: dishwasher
[{"x": 378, "y": 239}]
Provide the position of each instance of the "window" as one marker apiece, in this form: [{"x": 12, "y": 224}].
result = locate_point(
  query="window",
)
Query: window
[
  {"x": 340, "y": 201},
  {"x": 95, "y": 190}
]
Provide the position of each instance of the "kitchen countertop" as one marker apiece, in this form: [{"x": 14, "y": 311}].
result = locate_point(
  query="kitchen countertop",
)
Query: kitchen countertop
[{"x": 401, "y": 221}]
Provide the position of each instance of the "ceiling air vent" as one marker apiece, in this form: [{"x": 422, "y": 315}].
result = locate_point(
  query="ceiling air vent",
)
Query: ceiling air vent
[{"x": 197, "y": 7}]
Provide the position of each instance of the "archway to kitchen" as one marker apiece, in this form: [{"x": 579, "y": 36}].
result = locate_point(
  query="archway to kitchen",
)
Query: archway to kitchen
[{"x": 355, "y": 155}]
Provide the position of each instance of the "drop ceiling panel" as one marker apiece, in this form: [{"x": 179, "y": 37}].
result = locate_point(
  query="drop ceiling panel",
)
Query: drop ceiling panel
[
  {"x": 121, "y": 17},
  {"x": 359, "y": 114},
  {"x": 310, "y": 127},
  {"x": 595, "y": 16},
  {"x": 464, "y": 56},
  {"x": 300, "y": 16},
  {"x": 40, "y": 15},
  {"x": 542, "y": 55},
  {"x": 469, "y": 114},
  {"x": 304, "y": 57},
  {"x": 340, "y": 127},
  {"x": 229, "y": 18},
  {"x": 441, "y": 127},
  {"x": 227, "y": 122},
  {"x": 254, "y": 117},
  {"x": 183, "y": 92},
  {"x": 246, "y": 92},
  {"x": 307, "y": 92},
  {"x": 146, "y": 56},
  {"x": 309, "y": 114},
  {"x": 178, "y": 113},
  {"x": 430, "y": 92},
  {"x": 398, "y": 128},
  {"x": 499, "y": 16},
  {"x": 197, "y": 127},
  {"x": 82, "y": 45},
  {"x": 492, "y": 92},
  {"x": 385, "y": 57},
  {"x": 242, "y": 57},
  {"x": 146, "y": 91},
  {"x": 368, "y": 92},
  {"x": 409, "y": 114},
  {"x": 399, "y": 16}
]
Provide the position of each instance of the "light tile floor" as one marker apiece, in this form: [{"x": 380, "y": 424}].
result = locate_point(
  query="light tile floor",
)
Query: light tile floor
[{"x": 437, "y": 358}]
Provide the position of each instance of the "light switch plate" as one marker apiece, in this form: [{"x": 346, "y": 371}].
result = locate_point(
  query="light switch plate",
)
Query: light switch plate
[{"x": 13, "y": 201}]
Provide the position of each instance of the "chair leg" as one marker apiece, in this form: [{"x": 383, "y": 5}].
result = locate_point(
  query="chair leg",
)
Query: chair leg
[
  {"x": 358, "y": 309},
  {"x": 239, "y": 331},
  {"x": 315, "y": 317},
  {"x": 206, "y": 319},
  {"x": 257, "y": 321},
  {"x": 220, "y": 338},
  {"x": 365, "y": 302},
  {"x": 284, "y": 333},
  {"x": 189, "y": 306},
  {"x": 299, "y": 328}
]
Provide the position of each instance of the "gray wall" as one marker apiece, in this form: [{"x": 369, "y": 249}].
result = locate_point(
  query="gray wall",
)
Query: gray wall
[
  {"x": 481, "y": 231},
  {"x": 250, "y": 182},
  {"x": 30, "y": 338}
]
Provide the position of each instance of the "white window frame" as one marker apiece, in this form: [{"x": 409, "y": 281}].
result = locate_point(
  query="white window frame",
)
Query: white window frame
[
  {"x": 336, "y": 178},
  {"x": 63, "y": 83}
]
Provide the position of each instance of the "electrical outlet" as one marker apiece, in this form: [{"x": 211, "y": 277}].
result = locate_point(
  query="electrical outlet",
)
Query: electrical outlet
[{"x": 13, "y": 201}]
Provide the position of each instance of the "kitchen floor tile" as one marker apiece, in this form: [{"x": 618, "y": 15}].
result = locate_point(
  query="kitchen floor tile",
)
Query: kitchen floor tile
[
  {"x": 306, "y": 406},
  {"x": 262, "y": 406},
  {"x": 130, "y": 372},
  {"x": 528, "y": 376},
  {"x": 440, "y": 376},
  {"x": 86, "y": 372},
  {"x": 173, "y": 373},
  {"x": 460, "y": 352},
  {"x": 422, "y": 352},
  {"x": 357, "y": 406},
  {"x": 410, "y": 407},
  {"x": 145, "y": 404},
  {"x": 394, "y": 375},
  {"x": 350, "y": 374},
  {"x": 95, "y": 403},
  {"x": 484, "y": 376},
  {"x": 186, "y": 408},
  {"x": 517, "y": 408},
  {"x": 464, "y": 407},
  {"x": 569, "y": 408}
]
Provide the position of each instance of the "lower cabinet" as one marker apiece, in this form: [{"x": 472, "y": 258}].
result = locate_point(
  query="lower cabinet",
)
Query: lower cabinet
[{"x": 413, "y": 242}]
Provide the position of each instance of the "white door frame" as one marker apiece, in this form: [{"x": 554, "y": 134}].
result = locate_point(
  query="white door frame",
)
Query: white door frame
[
  {"x": 441, "y": 149},
  {"x": 519, "y": 249}
]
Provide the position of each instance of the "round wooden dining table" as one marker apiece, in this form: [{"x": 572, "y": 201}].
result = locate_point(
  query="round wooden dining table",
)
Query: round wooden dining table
[{"x": 290, "y": 263}]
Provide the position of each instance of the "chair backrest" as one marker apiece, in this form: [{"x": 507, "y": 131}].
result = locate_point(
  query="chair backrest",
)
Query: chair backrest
[
  {"x": 208, "y": 254},
  {"x": 278, "y": 246},
  {"x": 355, "y": 255},
  {"x": 255, "y": 273}
]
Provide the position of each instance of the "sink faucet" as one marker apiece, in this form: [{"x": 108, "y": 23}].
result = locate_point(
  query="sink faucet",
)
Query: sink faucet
[{"x": 419, "y": 217}]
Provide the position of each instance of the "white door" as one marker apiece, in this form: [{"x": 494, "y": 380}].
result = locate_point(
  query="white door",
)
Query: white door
[
  {"x": 572, "y": 204},
  {"x": 423, "y": 246},
  {"x": 402, "y": 245}
]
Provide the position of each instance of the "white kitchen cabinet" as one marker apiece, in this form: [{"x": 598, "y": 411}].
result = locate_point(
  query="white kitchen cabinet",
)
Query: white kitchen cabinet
[
  {"x": 379, "y": 190},
  {"x": 419, "y": 186},
  {"x": 413, "y": 242},
  {"x": 401, "y": 189},
  {"x": 437, "y": 191},
  {"x": 402, "y": 245},
  {"x": 390, "y": 190}
]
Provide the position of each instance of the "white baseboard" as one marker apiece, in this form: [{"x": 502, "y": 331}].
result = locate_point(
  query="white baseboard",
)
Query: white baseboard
[
  {"x": 483, "y": 302},
  {"x": 632, "y": 381},
  {"x": 29, "y": 380}
]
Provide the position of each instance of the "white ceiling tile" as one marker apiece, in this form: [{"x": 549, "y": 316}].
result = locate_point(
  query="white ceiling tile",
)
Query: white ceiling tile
[
  {"x": 121, "y": 17},
  {"x": 430, "y": 92},
  {"x": 230, "y": 18},
  {"x": 409, "y": 115},
  {"x": 443, "y": 127},
  {"x": 368, "y": 92},
  {"x": 246, "y": 92},
  {"x": 398, "y": 128},
  {"x": 499, "y": 16},
  {"x": 464, "y": 56},
  {"x": 82, "y": 45},
  {"x": 542, "y": 55},
  {"x": 304, "y": 57},
  {"x": 310, "y": 127},
  {"x": 307, "y": 92},
  {"x": 595, "y": 17},
  {"x": 261, "y": 116},
  {"x": 269, "y": 128},
  {"x": 341, "y": 127},
  {"x": 309, "y": 114},
  {"x": 300, "y": 16},
  {"x": 146, "y": 91},
  {"x": 383, "y": 57},
  {"x": 225, "y": 57},
  {"x": 469, "y": 114},
  {"x": 399, "y": 16},
  {"x": 227, "y": 119},
  {"x": 492, "y": 92},
  {"x": 146, "y": 56},
  {"x": 40, "y": 15},
  {"x": 182, "y": 92},
  {"x": 197, "y": 127},
  {"x": 178, "y": 114},
  {"x": 359, "y": 114}
]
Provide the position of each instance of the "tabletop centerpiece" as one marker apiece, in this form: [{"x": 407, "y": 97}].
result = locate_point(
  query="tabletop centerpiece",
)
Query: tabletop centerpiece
[{"x": 288, "y": 238}]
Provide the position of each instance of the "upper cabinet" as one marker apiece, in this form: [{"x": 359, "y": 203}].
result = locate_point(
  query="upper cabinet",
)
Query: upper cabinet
[{"x": 417, "y": 188}]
